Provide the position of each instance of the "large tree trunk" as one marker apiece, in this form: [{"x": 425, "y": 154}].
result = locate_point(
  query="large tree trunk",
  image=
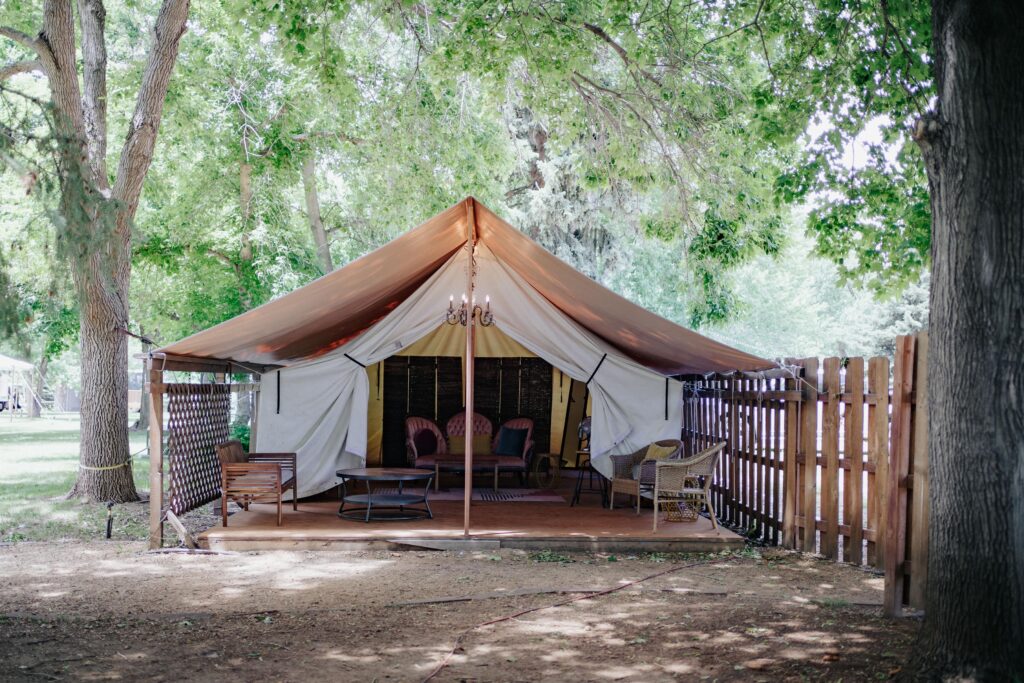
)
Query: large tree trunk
[
  {"x": 316, "y": 222},
  {"x": 974, "y": 149},
  {"x": 102, "y": 278},
  {"x": 105, "y": 471}
]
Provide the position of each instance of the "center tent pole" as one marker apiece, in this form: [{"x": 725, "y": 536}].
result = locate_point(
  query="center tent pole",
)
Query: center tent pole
[{"x": 470, "y": 357}]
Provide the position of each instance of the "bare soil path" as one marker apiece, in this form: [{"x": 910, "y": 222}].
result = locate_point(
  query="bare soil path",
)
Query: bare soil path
[{"x": 110, "y": 611}]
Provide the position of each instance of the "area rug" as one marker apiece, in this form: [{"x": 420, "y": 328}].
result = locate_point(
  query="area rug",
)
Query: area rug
[{"x": 488, "y": 495}]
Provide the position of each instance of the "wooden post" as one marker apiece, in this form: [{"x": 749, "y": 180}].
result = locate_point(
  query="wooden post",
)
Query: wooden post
[
  {"x": 899, "y": 461},
  {"x": 809, "y": 452},
  {"x": 878, "y": 456},
  {"x": 919, "y": 496},
  {"x": 830, "y": 459},
  {"x": 853, "y": 452},
  {"x": 789, "y": 466},
  {"x": 155, "y": 387},
  {"x": 734, "y": 450},
  {"x": 470, "y": 358}
]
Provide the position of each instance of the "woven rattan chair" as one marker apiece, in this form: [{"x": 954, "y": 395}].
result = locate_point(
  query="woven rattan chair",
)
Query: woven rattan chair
[
  {"x": 678, "y": 481},
  {"x": 623, "y": 467}
]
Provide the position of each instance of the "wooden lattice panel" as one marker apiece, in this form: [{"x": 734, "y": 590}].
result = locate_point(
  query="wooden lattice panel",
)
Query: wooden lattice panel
[{"x": 199, "y": 417}]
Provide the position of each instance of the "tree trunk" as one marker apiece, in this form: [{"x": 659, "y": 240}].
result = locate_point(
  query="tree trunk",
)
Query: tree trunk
[
  {"x": 37, "y": 396},
  {"x": 142, "y": 424},
  {"x": 974, "y": 150},
  {"x": 316, "y": 223},
  {"x": 105, "y": 470}
]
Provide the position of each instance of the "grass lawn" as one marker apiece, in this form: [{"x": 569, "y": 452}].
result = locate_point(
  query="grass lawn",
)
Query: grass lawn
[{"x": 38, "y": 461}]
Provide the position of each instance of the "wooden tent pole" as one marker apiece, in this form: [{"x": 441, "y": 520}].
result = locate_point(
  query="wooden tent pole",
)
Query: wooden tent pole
[
  {"x": 470, "y": 360},
  {"x": 155, "y": 387}
]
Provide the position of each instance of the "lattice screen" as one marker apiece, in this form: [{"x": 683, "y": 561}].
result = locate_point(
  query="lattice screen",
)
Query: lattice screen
[{"x": 199, "y": 416}]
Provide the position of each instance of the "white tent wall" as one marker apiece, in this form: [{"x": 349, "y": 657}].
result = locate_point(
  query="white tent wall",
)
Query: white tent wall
[
  {"x": 322, "y": 410},
  {"x": 631, "y": 405}
]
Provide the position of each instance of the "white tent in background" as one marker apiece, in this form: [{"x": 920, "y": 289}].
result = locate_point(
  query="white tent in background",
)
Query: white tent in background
[
  {"x": 15, "y": 376},
  {"x": 320, "y": 338}
]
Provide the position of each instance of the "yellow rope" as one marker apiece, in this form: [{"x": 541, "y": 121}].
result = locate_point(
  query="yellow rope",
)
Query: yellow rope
[{"x": 108, "y": 467}]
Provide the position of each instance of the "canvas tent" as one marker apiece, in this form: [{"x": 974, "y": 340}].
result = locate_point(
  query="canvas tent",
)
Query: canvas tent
[
  {"x": 14, "y": 381},
  {"x": 314, "y": 344}
]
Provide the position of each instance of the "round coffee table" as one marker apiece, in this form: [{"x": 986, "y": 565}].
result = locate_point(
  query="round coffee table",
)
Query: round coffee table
[{"x": 385, "y": 505}]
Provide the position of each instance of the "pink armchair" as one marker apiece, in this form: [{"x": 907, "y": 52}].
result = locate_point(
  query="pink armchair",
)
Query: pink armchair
[
  {"x": 520, "y": 462},
  {"x": 457, "y": 425},
  {"x": 413, "y": 427}
]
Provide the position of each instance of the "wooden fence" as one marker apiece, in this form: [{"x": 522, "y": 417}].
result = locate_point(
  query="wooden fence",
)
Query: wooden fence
[{"x": 830, "y": 459}]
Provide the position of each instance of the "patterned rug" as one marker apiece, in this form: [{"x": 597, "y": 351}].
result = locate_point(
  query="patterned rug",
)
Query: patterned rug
[{"x": 488, "y": 495}]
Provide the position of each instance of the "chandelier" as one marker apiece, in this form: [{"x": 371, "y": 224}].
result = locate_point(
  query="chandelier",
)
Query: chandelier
[{"x": 465, "y": 311}]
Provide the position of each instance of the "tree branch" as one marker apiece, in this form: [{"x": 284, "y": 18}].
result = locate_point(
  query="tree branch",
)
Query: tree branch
[
  {"x": 22, "y": 67},
  {"x": 92, "y": 20},
  {"x": 20, "y": 37},
  {"x": 137, "y": 152}
]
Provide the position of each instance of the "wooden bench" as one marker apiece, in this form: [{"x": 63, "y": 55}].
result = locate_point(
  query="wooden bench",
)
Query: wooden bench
[{"x": 254, "y": 477}]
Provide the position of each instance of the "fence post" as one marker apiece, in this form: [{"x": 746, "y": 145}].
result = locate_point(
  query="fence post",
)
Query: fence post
[
  {"x": 830, "y": 460},
  {"x": 853, "y": 453},
  {"x": 734, "y": 461},
  {"x": 809, "y": 453},
  {"x": 789, "y": 464},
  {"x": 918, "y": 521},
  {"x": 878, "y": 456},
  {"x": 899, "y": 462}
]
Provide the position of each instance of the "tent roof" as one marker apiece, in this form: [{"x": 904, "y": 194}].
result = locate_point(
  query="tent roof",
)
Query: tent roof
[
  {"x": 7, "y": 364},
  {"x": 334, "y": 309}
]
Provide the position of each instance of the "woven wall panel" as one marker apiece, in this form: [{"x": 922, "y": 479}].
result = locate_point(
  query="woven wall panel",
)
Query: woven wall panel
[
  {"x": 449, "y": 388},
  {"x": 486, "y": 389},
  {"x": 535, "y": 400},
  {"x": 198, "y": 420},
  {"x": 396, "y": 408}
]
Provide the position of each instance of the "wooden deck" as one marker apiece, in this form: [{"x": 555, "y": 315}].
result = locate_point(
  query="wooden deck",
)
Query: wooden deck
[{"x": 523, "y": 525}]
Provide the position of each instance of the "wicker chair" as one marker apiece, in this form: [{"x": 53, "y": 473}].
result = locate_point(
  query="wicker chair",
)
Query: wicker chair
[
  {"x": 677, "y": 482},
  {"x": 413, "y": 426},
  {"x": 252, "y": 477},
  {"x": 623, "y": 466},
  {"x": 515, "y": 463}
]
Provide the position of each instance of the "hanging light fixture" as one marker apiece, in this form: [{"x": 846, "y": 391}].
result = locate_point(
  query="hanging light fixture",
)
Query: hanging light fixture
[{"x": 464, "y": 312}]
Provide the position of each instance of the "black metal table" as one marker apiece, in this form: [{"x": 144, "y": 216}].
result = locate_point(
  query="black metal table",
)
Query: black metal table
[{"x": 385, "y": 506}]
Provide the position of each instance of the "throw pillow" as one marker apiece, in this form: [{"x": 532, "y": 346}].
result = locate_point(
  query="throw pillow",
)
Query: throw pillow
[
  {"x": 656, "y": 452},
  {"x": 425, "y": 441},
  {"x": 481, "y": 444},
  {"x": 511, "y": 441}
]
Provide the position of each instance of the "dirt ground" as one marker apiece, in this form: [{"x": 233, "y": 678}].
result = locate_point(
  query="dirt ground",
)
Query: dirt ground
[{"x": 96, "y": 611}]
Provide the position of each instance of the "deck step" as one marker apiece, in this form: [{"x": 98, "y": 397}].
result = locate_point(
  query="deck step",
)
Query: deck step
[{"x": 450, "y": 543}]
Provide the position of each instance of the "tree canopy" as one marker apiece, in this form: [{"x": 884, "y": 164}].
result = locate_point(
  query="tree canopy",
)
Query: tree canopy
[{"x": 656, "y": 148}]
